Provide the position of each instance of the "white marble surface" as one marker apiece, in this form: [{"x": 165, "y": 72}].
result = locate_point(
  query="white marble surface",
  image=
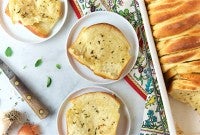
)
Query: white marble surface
[{"x": 64, "y": 80}]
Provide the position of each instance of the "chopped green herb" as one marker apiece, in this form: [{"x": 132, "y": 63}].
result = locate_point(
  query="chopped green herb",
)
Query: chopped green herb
[
  {"x": 24, "y": 67},
  {"x": 49, "y": 81},
  {"x": 8, "y": 52},
  {"x": 58, "y": 66},
  {"x": 38, "y": 62}
]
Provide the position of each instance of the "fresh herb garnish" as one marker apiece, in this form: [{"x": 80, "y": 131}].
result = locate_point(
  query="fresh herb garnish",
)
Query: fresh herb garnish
[
  {"x": 58, "y": 66},
  {"x": 24, "y": 67},
  {"x": 49, "y": 81},
  {"x": 8, "y": 52},
  {"x": 38, "y": 62}
]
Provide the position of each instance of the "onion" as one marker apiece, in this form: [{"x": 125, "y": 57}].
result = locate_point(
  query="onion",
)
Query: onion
[{"x": 29, "y": 129}]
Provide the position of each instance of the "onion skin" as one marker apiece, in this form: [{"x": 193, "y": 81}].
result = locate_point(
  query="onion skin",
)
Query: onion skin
[{"x": 29, "y": 129}]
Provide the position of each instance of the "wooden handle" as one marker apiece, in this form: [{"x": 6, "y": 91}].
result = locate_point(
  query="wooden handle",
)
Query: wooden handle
[{"x": 34, "y": 103}]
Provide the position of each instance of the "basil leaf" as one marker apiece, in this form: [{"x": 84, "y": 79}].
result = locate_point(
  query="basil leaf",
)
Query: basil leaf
[
  {"x": 38, "y": 62},
  {"x": 58, "y": 66},
  {"x": 49, "y": 81},
  {"x": 8, "y": 52},
  {"x": 24, "y": 67}
]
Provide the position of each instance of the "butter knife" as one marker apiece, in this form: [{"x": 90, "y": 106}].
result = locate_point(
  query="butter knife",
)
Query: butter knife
[{"x": 40, "y": 110}]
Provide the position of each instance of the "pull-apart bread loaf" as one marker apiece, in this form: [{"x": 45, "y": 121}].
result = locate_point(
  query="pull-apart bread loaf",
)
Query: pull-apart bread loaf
[
  {"x": 39, "y": 16},
  {"x": 103, "y": 48},
  {"x": 95, "y": 113},
  {"x": 176, "y": 30}
]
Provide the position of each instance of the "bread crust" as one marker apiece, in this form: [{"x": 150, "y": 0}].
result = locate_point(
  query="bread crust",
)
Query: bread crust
[
  {"x": 183, "y": 68},
  {"x": 182, "y": 24},
  {"x": 113, "y": 96},
  {"x": 178, "y": 8},
  {"x": 170, "y": 61},
  {"x": 178, "y": 45}
]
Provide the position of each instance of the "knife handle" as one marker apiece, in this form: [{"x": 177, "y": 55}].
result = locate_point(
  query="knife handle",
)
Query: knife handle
[{"x": 40, "y": 110}]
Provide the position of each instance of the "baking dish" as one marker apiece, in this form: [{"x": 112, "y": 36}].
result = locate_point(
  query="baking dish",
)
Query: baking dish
[{"x": 158, "y": 71}]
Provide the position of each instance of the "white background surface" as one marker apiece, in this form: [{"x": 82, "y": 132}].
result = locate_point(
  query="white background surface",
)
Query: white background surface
[{"x": 64, "y": 80}]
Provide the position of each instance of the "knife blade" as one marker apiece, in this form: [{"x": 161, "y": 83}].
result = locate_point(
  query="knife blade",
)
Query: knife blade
[{"x": 40, "y": 110}]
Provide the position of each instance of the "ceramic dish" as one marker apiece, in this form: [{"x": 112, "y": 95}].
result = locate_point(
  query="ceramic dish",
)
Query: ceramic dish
[
  {"x": 157, "y": 67},
  {"x": 124, "y": 122},
  {"x": 21, "y": 33},
  {"x": 182, "y": 114},
  {"x": 103, "y": 17}
]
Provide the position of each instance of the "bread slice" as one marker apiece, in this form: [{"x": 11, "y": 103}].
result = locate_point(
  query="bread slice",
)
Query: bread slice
[
  {"x": 95, "y": 113},
  {"x": 180, "y": 44},
  {"x": 181, "y": 90},
  {"x": 172, "y": 60},
  {"x": 183, "y": 68},
  {"x": 39, "y": 16},
  {"x": 186, "y": 88},
  {"x": 103, "y": 48}
]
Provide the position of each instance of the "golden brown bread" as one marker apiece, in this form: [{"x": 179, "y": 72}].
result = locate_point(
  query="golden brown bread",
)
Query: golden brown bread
[
  {"x": 187, "y": 92},
  {"x": 176, "y": 26},
  {"x": 183, "y": 68},
  {"x": 195, "y": 77},
  {"x": 94, "y": 113},
  {"x": 170, "y": 61},
  {"x": 187, "y": 81},
  {"x": 160, "y": 12},
  {"x": 176, "y": 30},
  {"x": 39, "y": 16},
  {"x": 178, "y": 44},
  {"x": 102, "y": 48}
]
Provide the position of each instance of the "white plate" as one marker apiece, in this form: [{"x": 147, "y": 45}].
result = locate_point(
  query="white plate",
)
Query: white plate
[
  {"x": 124, "y": 122},
  {"x": 21, "y": 33},
  {"x": 103, "y": 17}
]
